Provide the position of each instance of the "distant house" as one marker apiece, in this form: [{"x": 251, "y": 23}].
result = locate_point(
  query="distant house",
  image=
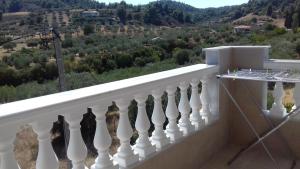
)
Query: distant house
[
  {"x": 90, "y": 14},
  {"x": 242, "y": 29}
]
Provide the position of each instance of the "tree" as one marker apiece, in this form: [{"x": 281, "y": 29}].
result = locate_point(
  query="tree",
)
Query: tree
[
  {"x": 32, "y": 43},
  {"x": 178, "y": 15},
  {"x": 129, "y": 16},
  {"x": 288, "y": 19},
  {"x": 124, "y": 60},
  {"x": 182, "y": 56},
  {"x": 152, "y": 16},
  {"x": 137, "y": 16},
  {"x": 237, "y": 14},
  {"x": 254, "y": 20},
  {"x": 269, "y": 10},
  {"x": 67, "y": 43},
  {"x": 188, "y": 18},
  {"x": 297, "y": 49},
  {"x": 295, "y": 23},
  {"x": 51, "y": 71},
  {"x": 121, "y": 12},
  {"x": 1, "y": 16},
  {"x": 39, "y": 19},
  {"x": 88, "y": 29},
  {"x": 9, "y": 46},
  {"x": 269, "y": 27}
]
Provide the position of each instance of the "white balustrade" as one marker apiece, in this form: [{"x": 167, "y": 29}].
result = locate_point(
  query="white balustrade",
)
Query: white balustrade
[
  {"x": 278, "y": 110},
  {"x": 125, "y": 155},
  {"x": 195, "y": 103},
  {"x": 7, "y": 157},
  {"x": 143, "y": 145},
  {"x": 213, "y": 88},
  {"x": 102, "y": 140},
  {"x": 77, "y": 150},
  {"x": 184, "y": 108},
  {"x": 46, "y": 158},
  {"x": 172, "y": 113},
  {"x": 159, "y": 138},
  {"x": 41, "y": 112},
  {"x": 205, "y": 100}
]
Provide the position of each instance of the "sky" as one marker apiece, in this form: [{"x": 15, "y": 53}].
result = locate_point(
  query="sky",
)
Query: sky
[{"x": 195, "y": 3}]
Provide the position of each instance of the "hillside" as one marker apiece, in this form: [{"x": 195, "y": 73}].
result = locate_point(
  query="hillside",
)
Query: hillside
[
  {"x": 289, "y": 10},
  {"x": 37, "y": 5},
  {"x": 157, "y": 13},
  {"x": 166, "y": 11},
  {"x": 41, "y": 13}
]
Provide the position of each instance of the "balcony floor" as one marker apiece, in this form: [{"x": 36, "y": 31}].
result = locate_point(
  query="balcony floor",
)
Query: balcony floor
[{"x": 255, "y": 159}]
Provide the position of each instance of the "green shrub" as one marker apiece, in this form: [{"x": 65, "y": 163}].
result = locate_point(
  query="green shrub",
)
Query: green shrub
[
  {"x": 4, "y": 39},
  {"x": 7, "y": 93},
  {"x": 182, "y": 56},
  {"x": 9, "y": 46},
  {"x": 51, "y": 71},
  {"x": 19, "y": 60},
  {"x": 32, "y": 43},
  {"x": 79, "y": 80},
  {"x": 81, "y": 54},
  {"x": 89, "y": 41},
  {"x": 67, "y": 43},
  {"x": 254, "y": 20},
  {"x": 145, "y": 55},
  {"x": 88, "y": 29},
  {"x": 297, "y": 49},
  {"x": 124, "y": 60},
  {"x": 257, "y": 38},
  {"x": 270, "y": 27},
  {"x": 38, "y": 73},
  {"x": 280, "y": 31},
  {"x": 139, "y": 62}
]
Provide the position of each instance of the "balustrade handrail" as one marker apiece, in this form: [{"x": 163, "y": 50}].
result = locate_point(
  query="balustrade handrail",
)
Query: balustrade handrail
[
  {"x": 282, "y": 64},
  {"x": 56, "y": 104}
]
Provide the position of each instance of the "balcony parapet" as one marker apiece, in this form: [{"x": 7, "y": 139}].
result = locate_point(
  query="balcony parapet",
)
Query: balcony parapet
[{"x": 41, "y": 112}]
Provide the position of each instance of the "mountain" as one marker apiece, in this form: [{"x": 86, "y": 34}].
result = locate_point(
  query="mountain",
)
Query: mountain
[
  {"x": 287, "y": 9},
  {"x": 276, "y": 9},
  {"x": 168, "y": 12},
  {"x": 33, "y": 5}
]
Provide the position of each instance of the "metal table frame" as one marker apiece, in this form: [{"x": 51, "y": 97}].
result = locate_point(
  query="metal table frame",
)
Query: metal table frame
[{"x": 263, "y": 76}]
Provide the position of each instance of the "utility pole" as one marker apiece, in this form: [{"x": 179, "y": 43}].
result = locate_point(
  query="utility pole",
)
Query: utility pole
[
  {"x": 61, "y": 76},
  {"x": 59, "y": 59}
]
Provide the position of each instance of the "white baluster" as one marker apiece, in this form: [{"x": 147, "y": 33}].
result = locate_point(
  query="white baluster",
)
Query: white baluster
[
  {"x": 77, "y": 150},
  {"x": 278, "y": 110},
  {"x": 184, "y": 108},
  {"x": 7, "y": 137},
  {"x": 205, "y": 100},
  {"x": 102, "y": 140},
  {"x": 125, "y": 155},
  {"x": 297, "y": 98},
  {"x": 195, "y": 103},
  {"x": 172, "y": 113},
  {"x": 143, "y": 146},
  {"x": 46, "y": 158},
  {"x": 213, "y": 88},
  {"x": 159, "y": 137}
]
